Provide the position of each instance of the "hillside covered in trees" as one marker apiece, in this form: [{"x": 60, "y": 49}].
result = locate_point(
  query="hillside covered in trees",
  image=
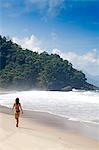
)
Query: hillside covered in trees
[{"x": 24, "y": 69}]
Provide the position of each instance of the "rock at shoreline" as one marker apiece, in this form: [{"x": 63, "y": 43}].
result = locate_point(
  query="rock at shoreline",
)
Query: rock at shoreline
[{"x": 67, "y": 88}]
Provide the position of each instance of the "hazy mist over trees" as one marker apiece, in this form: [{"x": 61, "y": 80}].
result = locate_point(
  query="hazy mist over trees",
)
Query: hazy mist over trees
[{"x": 24, "y": 69}]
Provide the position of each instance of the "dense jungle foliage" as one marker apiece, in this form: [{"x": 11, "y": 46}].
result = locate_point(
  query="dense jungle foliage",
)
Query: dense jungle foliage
[{"x": 24, "y": 69}]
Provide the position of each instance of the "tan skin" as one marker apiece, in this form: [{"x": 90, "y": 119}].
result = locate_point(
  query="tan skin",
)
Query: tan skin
[{"x": 17, "y": 108}]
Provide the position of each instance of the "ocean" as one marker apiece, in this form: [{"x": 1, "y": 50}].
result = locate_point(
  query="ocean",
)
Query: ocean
[{"x": 75, "y": 105}]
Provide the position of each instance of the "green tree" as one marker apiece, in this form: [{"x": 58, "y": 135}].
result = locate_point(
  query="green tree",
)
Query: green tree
[{"x": 24, "y": 69}]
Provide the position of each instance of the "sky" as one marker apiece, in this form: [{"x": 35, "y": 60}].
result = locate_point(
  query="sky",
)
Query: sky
[{"x": 69, "y": 28}]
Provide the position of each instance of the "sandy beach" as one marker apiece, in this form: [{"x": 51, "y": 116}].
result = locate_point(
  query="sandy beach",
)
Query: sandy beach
[{"x": 40, "y": 131}]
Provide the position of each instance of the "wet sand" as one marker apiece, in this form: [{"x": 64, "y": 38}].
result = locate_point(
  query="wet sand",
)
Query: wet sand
[{"x": 43, "y": 131}]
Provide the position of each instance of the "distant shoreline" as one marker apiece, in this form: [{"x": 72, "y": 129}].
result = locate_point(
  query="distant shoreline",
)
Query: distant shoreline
[{"x": 5, "y": 91}]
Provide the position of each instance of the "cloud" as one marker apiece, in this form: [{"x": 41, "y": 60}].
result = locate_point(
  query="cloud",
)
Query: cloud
[
  {"x": 88, "y": 62},
  {"x": 12, "y": 8},
  {"x": 5, "y": 4},
  {"x": 31, "y": 43},
  {"x": 54, "y": 36},
  {"x": 46, "y": 7}
]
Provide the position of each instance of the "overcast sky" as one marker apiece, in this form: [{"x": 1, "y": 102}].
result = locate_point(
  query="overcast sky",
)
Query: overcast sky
[{"x": 69, "y": 28}]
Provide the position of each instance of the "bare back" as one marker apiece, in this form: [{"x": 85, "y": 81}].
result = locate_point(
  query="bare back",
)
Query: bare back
[{"x": 17, "y": 106}]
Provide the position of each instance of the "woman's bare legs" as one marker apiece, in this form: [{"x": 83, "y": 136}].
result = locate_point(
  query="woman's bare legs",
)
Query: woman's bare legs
[
  {"x": 17, "y": 122},
  {"x": 17, "y": 119}
]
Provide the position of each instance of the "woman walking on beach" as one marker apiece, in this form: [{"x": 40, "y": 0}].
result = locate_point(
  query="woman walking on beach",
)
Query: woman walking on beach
[{"x": 17, "y": 107}]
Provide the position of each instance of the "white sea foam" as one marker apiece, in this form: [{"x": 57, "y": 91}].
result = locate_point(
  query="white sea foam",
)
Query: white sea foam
[{"x": 75, "y": 105}]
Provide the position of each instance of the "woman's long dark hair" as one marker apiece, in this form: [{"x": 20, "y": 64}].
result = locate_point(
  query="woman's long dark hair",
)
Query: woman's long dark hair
[{"x": 17, "y": 100}]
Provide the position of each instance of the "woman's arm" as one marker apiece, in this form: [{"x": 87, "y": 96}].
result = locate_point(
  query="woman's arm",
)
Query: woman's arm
[
  {"x": 21, "y": 108},
  {"x": 13, "y": 106}
]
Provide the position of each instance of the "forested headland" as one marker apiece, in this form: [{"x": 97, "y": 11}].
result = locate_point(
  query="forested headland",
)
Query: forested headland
[{"x": 25, "y": 69}]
